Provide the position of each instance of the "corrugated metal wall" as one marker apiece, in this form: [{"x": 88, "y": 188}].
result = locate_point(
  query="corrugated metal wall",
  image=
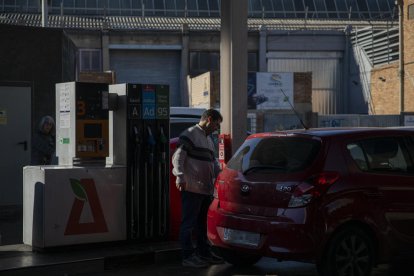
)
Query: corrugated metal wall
[
  {"x": 151, "y": 67},
  {"x": 326, "y": 71}
]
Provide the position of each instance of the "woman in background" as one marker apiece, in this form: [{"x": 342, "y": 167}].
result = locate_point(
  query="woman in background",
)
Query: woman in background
[{"x": 43, "y": 144}]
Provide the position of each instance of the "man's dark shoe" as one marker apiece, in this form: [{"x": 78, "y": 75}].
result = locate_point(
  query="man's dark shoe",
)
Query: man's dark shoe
[
  {"x": 194, "y": 261},
  {"x": 211, "y": 259}
]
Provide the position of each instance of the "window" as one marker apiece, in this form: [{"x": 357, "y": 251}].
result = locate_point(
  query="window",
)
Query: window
[
  {"x": 411, "y": 12},
  {"x": 275, "y": 155},
  {"x": 149, "y": 7},
  {"x": 268, "y": 9},
  {"x": 358, "y": 155},
  {"x": 203, "y": 8},
  {"x": 342, "y": 8},
  {"x": 192, "y": 8},
  {"x": 159, "y": 7},
  {"x": 214, "y": 8},
  {"x": 387, "y": 154},
  {"x": 126, "y": 8},
  {"x": 256, "y": 8},
  {"x": 354, "y": 9},
  {"x": 252, "y": 64},
  {"x": 201, "y": 62},
  {"x": 90, "y": 60},
  {"x": 171, "y": 9},
  {"x": 364, "y": 9},
  {"x": 181, "y": 7},
  {"x": 321, "y": 8},
  {"x": 299, "y": 8},
  {"x": 289, "y": 8}
]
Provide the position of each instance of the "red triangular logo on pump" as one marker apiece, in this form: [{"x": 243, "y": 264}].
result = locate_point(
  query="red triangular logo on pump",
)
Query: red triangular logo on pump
[{"x": 85, "y": 192}]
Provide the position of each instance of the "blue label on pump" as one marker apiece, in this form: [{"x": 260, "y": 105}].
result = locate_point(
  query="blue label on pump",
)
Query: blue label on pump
[{"x": 148, "y": 102}]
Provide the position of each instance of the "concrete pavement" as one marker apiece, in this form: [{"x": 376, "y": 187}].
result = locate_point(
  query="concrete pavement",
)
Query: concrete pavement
[{"x": 19, "y": 259}]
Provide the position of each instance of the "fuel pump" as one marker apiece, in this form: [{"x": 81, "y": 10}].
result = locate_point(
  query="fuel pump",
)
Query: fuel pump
[
  {"x": 224, "y": 149},
  {"x": 82, "y": 117},
  {"x": 82, "y": 200},
  {"x": 139, "y": 140}
]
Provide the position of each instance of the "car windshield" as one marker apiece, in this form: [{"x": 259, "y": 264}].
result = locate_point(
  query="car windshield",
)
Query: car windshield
[{"x": 275, "y": 154}]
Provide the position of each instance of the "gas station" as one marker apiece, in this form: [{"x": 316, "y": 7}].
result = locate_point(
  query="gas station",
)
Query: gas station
[{"x": 112, "y": 181}]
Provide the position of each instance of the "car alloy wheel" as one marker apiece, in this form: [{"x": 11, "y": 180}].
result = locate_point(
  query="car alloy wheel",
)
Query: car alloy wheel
[{"x": 350, "y": 253}]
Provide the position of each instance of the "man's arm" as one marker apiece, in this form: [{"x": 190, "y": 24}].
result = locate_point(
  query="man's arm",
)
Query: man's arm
[{"x": 178, "y": 161}]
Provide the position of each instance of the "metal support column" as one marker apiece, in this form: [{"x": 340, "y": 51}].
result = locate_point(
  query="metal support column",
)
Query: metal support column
[
  {"x": 105, "y": 50},
  {"x": 184, "y": 66},
  {"x": 45, "y": 13},
  {"x": 233, "y": 70},
  {"x": 263, "y": 49}
]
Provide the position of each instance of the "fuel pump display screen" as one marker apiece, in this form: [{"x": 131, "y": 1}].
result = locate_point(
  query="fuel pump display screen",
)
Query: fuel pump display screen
[{"x": 92, "y": 131}]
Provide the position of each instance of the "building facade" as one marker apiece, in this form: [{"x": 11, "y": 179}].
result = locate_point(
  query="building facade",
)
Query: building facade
[
  {"x": 396, "y": 78},
  {"x": 156, "y": 41}
]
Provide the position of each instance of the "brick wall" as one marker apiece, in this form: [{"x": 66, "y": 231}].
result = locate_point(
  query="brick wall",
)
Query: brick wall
[
  {"x": 385, "y": 93},
  {"x": 408, "y": 26}
]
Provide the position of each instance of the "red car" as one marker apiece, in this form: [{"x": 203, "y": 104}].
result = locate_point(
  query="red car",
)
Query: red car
[{"x": 340, "y": 198}]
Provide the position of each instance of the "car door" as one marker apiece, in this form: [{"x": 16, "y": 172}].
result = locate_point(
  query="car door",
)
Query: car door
[{"x": 385, "y": 168}]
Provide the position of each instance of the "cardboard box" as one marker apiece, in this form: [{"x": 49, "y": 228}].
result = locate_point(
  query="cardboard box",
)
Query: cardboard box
[
  {"x": 204, "y": 90},
  {"x": 98, "y": 77}
]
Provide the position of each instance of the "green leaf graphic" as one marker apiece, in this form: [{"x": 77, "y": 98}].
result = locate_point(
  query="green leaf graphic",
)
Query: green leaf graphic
[{"x": 78, "y": 189}]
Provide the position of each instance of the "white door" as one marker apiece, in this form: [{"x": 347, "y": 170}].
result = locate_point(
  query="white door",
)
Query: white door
[{"x": 15, "y": 137}]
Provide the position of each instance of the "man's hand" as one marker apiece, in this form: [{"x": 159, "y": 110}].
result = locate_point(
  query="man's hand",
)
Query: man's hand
[{"x": 180, "y": 186}]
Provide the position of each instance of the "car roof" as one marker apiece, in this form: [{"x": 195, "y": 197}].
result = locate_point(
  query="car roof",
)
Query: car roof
[
  {"x": 186, "y": 112},
  {"x": 340, "y": 131}
]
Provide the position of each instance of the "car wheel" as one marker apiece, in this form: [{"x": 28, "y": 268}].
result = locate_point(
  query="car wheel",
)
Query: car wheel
[
  {"x": 350, "y": 252},
  {"x": 238, "y": 258}
]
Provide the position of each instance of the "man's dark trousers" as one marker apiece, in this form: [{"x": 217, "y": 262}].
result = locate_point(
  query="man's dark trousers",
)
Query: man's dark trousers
[{"x": 194, "y": 216}]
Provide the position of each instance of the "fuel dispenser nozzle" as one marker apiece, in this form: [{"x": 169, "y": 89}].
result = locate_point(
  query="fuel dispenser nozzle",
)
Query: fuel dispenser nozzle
[
  {"x": 135, "y": 173},
  {"x": 149, "y": 178},
  {"x": 151, "y": 143},
  {"x": 162, "y": 185},
  {"x": 163, "y": 141},
  {"x": 136, "y": 135}
]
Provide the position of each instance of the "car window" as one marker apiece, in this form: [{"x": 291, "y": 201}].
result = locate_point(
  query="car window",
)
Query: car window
[
  {"x": 284, "y": 154},
  {"x": 410, "y": 146},
  {"x": 387, "y": 154},
  {"x": 358, "y": 155}
]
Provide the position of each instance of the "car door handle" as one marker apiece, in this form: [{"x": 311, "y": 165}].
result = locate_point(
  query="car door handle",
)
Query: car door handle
[{"x": 24, "y": 143}]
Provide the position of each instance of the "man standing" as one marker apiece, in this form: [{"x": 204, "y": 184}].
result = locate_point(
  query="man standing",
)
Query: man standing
[{"x": 196, "y": 167}]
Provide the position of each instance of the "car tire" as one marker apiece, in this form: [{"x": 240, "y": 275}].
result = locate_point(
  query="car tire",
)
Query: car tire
[
  {"x": 238, "y": 258},
  {"x": 350, "y": 252}
]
